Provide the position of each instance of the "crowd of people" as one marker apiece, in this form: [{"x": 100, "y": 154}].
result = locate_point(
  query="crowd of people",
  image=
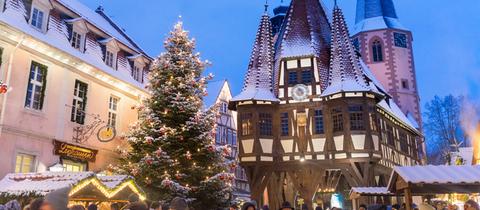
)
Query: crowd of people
[{"x": 57, "y": 203}]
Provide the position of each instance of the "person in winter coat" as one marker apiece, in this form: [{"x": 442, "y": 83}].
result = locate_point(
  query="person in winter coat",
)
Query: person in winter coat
[
  {"x": 137, "y": 206},
  {"x": 233, "y": 207},
  {"x": 178, "y": 204},
  {"x": 248, "y": 206},
  {"x": 57, "y": 200},
  {"x": 77, "y": 207}
]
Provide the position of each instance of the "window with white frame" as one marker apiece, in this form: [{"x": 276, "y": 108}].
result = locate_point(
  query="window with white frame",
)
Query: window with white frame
[
  {"x": 112, "y": 111},
  {"x": 36, "y": 84},
  {"x": 71, "y": 166},
  {"x": 76, "y": 40},
  {"x": 109, "y": 58},
  {"x": 79, "y": 102},
  {"x": 37, "y": 18},
  {"x": 24, "y": 163}
]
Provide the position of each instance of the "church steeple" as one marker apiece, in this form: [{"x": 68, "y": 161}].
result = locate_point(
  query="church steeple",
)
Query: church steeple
[
  {"x": 346, "y": 74},
  {"x": 376, "y": 14},
  {"x": 259, "y": 77}
]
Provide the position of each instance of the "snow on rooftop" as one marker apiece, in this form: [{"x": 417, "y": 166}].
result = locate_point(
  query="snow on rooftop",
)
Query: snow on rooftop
[
  {"x": 376, "y": 23},
  {"x": 443, "y": 174},
  {"x": 45, "y": 182},
  {"x": 393, "y": 109},
  {"x": 97, "y": 20},
  {"x": 370, "y": 190},
  {"x": 41, "y": 183},
  {"x": 256, "y": 94},
  {"x": 11, "y": 18},
  {"x": 412, "y": 119}
]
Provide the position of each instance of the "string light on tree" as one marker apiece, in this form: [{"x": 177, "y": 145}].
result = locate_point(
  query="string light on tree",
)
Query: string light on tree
[{"x": 175, "y": 132}]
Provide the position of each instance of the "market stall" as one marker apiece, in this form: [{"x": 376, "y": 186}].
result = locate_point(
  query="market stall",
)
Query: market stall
[
  {"x": 432, "y": 180},
  {"x": 358, "y": 194},
  {"x": 83, "y": 187}
]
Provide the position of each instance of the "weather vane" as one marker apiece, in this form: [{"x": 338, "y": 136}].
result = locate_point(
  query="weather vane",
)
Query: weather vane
[{"x": 266, "y": 5}]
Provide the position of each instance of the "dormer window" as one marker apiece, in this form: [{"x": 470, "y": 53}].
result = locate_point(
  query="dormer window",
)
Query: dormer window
[
  {"x": 37, "y": 18},
  {"x": 76, "y": 40},
  {"x": 109, "y": 58},
  {"x": 137, "y": 74}
]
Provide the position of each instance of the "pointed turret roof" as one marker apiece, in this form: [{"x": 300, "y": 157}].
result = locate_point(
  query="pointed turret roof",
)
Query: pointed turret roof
[
  {"x": 305, "y": 32},
  {"x": 375, "y": 15},
  {"x": 259, "y": 77},
  {"x": 346, "y": 74}
]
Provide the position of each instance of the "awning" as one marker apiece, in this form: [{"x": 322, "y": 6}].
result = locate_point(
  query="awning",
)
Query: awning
[
  {"x": 357, "y": 192},
  {"x": 424, "y": 180}
]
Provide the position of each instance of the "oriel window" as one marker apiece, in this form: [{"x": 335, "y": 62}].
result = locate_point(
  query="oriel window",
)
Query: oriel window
[
  {"x": 306, "y": 77},
  {"x": 356, "y": 118},
  {"x": 247, "y": 128},
  {"x": 337, "y": 118},
  {"x": 265, "y": 124},
  {"x": 318, "y": 119},
  {"x": 292, "y": 78},
  {"x": 284, "y": 124},
  {"x": 79, "y": 102}
]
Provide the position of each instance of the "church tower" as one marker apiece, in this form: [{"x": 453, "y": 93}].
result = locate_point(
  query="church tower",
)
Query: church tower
[{"x": 386, "y": 47}]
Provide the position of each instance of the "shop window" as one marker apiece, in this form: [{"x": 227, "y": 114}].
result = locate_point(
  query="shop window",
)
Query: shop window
[
  {"x": 318, "y": 119},
  {"x": 247, "y": 126},
  {"x": 24, "y": 163},
  {"x": 112, "y": 111},
  {"x": 337, "y": 118},
  {"x": 36, "y": 86},
  {"x": 79, "y": 102},
  {"x": 284, "y": 124},
  {"x": 356, "y": 118},
  {"x": 265, "y": 124},
  {"x": 71, "y": 166}
]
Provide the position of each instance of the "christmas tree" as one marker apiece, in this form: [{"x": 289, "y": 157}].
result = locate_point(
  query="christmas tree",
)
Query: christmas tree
[{"x": 172, "y": 149}]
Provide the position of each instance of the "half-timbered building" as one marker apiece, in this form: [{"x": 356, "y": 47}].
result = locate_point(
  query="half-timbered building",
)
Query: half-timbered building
[{"x": 312, "y": 118}]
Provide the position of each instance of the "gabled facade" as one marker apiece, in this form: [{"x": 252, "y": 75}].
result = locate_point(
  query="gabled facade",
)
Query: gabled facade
[
  {"x": 219, "y": 94},
  {"x": 74, "y": 78},
  {"x": 386, "y": 47},
  {"x": 329, "y": 125}
]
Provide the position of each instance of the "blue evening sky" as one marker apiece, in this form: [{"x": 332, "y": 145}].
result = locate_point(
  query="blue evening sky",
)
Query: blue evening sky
[{"x": 446, "y": 35}]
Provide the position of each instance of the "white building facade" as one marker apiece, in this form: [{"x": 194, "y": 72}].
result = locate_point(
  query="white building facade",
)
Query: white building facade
[{"x": 74, "y": 77}]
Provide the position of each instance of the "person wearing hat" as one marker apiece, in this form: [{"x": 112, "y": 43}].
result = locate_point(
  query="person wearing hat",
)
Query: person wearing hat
[
  {"x": 286, "y": 206},
  {"x": 248, "y": 206}
]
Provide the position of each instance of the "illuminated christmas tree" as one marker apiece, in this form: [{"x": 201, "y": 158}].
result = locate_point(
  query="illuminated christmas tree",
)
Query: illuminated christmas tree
[{"x": 172, "y": 149}]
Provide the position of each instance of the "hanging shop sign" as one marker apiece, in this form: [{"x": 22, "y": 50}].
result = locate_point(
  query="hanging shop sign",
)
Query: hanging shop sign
[
  {"x": 106, "y": 134},
  {"x": 74, "y": 151}
]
